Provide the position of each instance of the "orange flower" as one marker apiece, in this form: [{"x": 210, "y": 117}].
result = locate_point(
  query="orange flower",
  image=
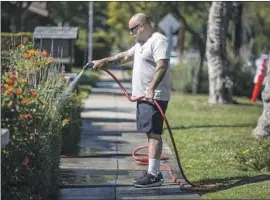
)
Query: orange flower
[
  {"x": 10, "y": 91},
  {"x": 24, "y": 101},
  {"x": 45, "y": 53},
  {"x": 11, "y": 80},
  {"x": 6, "y": 86},
  {"x": 27, "y": 55},
  {"x": 19, "y": 91},
  {"x": 32, "y": 51},
  {"x": 34, "y": 94},
  {"x": 37, "y": 52}
]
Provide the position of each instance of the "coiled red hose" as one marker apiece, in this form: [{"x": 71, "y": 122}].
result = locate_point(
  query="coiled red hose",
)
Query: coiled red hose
[{"x": 184, "y": 183}]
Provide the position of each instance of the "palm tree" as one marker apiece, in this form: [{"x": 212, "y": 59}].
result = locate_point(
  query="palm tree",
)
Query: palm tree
[{"x": 220, "y": 84}]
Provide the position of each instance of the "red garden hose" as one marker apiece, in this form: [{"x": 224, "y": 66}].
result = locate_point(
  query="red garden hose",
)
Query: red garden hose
[{"x": 184, "y": 184}]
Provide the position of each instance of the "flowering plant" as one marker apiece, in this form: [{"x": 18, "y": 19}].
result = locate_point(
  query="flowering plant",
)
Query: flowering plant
[{"x": 30, "y": 88}]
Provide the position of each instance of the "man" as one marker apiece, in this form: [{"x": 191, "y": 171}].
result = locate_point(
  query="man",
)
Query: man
[{"x": 151, "y": 78}]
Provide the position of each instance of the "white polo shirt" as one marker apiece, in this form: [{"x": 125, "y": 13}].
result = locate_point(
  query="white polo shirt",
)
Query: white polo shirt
[{"x": 144, "y": 66}]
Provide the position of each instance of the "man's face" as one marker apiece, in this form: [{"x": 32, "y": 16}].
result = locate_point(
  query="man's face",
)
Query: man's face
[{"x": 135, "y": 30}]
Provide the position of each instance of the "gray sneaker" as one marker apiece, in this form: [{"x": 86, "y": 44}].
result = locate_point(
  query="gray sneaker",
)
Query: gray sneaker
[
  {"x": 144, "y": 172},
  {"x": 148, "y": 180}
]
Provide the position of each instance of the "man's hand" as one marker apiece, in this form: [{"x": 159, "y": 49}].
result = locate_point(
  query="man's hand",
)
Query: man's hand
[
  {"x": 150, "y": 95},
  {"x": 100, "y": 64}
]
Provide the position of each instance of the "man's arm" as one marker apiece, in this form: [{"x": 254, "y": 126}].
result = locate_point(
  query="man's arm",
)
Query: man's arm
[
  {"x": 162, "y": 67},
  {"x": 117, "y": 59}
]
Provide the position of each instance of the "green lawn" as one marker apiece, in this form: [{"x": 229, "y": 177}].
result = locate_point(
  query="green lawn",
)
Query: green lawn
[{"x": 208, "y": 137}]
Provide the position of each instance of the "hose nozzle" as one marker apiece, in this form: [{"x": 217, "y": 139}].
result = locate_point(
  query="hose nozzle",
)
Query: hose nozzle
[{"x": 88, "y": 65}]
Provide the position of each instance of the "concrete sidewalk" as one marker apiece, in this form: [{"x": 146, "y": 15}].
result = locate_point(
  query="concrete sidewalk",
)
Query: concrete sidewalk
[{"x": 104, "y": 168}]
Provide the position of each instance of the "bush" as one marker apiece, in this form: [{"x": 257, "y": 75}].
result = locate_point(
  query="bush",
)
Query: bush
[
  {"x": 182, "y": 77},
  {"x": 30, "y": 162},
  {"x": 242, "y": 78},
  {"x": 256, "y": 157},
  {"x": 72, "y": 122},
  {"x": 31, "y": 87},
  {"x": 183, "y": 73}
]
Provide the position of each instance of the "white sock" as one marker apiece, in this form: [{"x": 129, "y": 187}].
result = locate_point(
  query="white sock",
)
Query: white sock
[{"x": 154, "y": 166}]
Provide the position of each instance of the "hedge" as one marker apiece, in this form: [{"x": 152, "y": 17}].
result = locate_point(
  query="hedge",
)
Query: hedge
[{"x": 31, "y": 88}]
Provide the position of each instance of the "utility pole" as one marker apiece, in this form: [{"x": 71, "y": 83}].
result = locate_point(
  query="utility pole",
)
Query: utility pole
[{"x": 90, "y": 34}]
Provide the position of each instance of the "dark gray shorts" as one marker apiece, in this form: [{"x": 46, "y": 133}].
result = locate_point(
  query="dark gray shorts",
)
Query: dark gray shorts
[{"x": 149, "y": 119}]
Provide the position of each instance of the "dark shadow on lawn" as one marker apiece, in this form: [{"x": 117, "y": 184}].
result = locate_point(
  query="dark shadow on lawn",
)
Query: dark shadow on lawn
[
  {"x": 239, "y": 181},
  {"x": 212, "y": 126},
  {"x": 248, "y": 104}
]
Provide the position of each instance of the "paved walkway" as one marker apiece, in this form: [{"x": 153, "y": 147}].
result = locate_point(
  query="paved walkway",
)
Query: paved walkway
[{"x": 104, "y": 168}]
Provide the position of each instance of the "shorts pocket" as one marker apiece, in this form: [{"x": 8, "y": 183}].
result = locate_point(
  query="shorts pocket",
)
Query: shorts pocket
[{"x": 145, "y": 117}]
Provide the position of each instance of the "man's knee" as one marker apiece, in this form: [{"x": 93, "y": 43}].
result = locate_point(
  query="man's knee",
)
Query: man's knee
[{"x": 154, "y": 136}]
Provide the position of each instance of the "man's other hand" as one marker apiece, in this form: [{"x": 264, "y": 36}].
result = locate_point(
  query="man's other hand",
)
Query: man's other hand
[{"x": 150, "y": 95}]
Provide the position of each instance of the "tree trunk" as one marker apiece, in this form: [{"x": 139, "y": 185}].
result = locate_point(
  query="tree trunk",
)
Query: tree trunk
[
  {"x": 237, "y": 26},
  {"x": 197, "y": 76},
  {"x": 181, "y": 38},
  {"x": 198, "y": 70},
  {"x": 263, "y": 127},
  {"x": 220, "y": 84}
]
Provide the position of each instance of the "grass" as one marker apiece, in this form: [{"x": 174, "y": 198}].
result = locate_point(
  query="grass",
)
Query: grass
[
  {"x": 208, "y": 138},
  {"x": 86, "y": 81}
]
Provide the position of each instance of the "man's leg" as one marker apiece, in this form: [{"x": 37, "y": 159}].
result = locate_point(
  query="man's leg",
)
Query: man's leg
[
  {"x": 150, "y": 121},
  {"x": 154, "y": 151}
]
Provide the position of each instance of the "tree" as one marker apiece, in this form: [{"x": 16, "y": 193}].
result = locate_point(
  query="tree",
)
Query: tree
[
  {"x": 237, "y": 26},
  {"x": 120, "y": 12},
  {"x": 219, "y": 80},
  {"x": 263, "y": 127},
  {"x": 193, "y": 20},
  {"x": 17, "y": 11}
]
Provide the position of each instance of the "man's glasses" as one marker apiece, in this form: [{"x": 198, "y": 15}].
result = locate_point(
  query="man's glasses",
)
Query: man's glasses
[{"x": 131, "y": 30}]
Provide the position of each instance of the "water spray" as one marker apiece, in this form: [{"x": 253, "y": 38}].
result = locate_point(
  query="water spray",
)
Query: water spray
[{"x": 64, "y": 97}]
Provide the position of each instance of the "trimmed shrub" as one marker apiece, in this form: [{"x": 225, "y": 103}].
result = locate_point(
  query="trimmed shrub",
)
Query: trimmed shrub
[
  {"x": 30, "y": 162},
  {"x": 31, "y": 88},
  {"x": 71, "y": 124}
]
